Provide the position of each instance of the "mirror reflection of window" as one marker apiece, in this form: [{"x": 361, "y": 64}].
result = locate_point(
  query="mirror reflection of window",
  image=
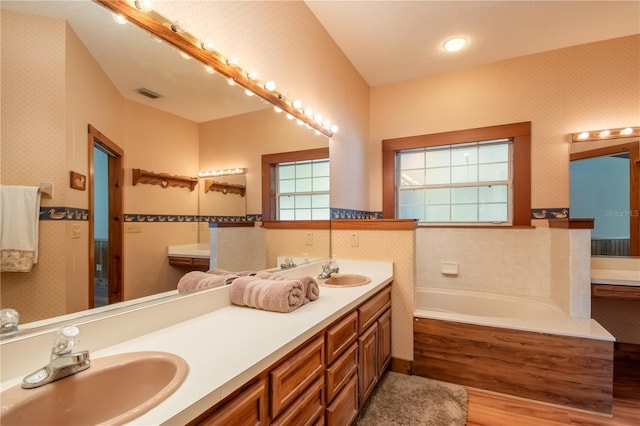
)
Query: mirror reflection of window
[
  {"x": 600, "y": 189},
  {"x": 303, "y": 190}
]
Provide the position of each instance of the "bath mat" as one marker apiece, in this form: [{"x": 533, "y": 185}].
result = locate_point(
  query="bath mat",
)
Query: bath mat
[{"x": 399, "y": 399}]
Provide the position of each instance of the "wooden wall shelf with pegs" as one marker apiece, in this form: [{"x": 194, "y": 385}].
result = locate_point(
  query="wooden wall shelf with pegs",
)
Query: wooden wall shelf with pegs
[{"x": 164, "y": 179}]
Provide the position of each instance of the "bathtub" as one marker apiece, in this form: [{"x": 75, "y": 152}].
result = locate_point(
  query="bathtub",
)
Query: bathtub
[
  {"x": 522, "y": 346},
  {"x": 499, "y": 310}
]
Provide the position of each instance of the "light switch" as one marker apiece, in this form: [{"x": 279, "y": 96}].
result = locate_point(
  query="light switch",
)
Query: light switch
[
  {"x": 308, "y": 239},
  {"x": 355, "y": 239},
  {"x": 75, "y": 231},
  {"x": 449, "y": 268}
]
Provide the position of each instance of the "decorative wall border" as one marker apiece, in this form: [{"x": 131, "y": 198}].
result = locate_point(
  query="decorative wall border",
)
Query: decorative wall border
[
  {"x": 63, "y": 213},
  {"x": 550, "y": 213},
  {"x": 337, "y": 213},
  {"x": 77, "y": 214}
]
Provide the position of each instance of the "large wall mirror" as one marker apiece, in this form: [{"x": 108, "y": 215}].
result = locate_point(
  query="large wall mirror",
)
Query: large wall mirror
[
  {"x": 604, "y": 185},
  {"x": 198, "y": 123}
]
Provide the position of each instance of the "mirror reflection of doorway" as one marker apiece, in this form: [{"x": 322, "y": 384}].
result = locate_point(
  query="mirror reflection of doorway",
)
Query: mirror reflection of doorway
[
  {"x": 100, "y": 227},
  {"x": 105, "y": 220},
  {"x": 604, "y": 186}
]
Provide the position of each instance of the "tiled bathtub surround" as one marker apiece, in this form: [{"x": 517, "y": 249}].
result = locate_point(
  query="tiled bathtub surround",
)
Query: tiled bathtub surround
[{"x": 539, "y": 262}]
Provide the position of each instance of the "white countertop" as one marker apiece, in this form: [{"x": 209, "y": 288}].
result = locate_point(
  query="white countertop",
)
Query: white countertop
[
  {"x": 227, "y": 347},
  {"x": 615, "y": 270},
  {"x": 615, "y": 277},
  {"x": 190, "y": 250}
]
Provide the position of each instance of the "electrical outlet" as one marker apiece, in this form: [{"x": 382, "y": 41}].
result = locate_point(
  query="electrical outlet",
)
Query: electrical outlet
[
  {"x": 133, "y": 228},
  {"x": 308, "y": 239},
  {"x": 355, "y": 239}
]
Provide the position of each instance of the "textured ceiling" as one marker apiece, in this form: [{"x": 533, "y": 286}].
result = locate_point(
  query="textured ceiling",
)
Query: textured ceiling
[{"x": 391, "y": 41}]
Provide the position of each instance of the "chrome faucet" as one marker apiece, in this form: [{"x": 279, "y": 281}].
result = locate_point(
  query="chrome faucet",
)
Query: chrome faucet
[
  {"x": 288, "y": 263},
  {"x": 8, "y": 322},
  {"x": 329, "y": 268},
  {"x": 63, "y": 361}
]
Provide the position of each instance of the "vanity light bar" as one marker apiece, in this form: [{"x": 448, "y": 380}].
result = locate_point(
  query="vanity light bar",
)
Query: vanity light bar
[
  {"x": 236, "y": 171},
  {"x": 604, "y": 134},
  {"x": 162, "y": 28}
]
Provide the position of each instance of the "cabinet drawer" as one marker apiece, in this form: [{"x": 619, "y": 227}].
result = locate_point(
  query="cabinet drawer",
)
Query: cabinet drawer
[
  {"x": 307, "y": 409},
  {"x": 248, "y": 408},
  {"x": 340, "y": 371},
  {"x": 295, "y": 374},
  {"x": 178, "y": 260},
  {"x": 344, "y": 408},
  {"x": 369, "y": 310},
  {"x": 341, "y": 335}
]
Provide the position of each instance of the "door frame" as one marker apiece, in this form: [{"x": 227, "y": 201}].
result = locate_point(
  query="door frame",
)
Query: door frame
[
  {"x": 633, "y": 149},
  {"x": 116, "y": 217}
]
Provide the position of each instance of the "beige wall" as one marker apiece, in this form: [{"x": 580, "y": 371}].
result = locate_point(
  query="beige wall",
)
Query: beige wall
[{"x": 592, "y": 86}]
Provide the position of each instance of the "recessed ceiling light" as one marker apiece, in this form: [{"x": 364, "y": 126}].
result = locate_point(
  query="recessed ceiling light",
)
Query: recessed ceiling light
[{"x": 454, "y": 44}]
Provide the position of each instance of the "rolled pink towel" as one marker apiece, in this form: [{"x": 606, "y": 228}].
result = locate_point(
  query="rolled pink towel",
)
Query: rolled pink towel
[
  {"x": 309, "y": 284},
  {"x": 270, "y": 295},
  {"x": 197, "y": 280}
]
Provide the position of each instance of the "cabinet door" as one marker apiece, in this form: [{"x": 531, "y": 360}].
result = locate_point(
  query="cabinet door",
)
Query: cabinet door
[
  {"x": 339, "y": 373},
  {"x": 384, "y": 341},
  {"x": 341, "y": 335},
  {"x": 344, "y": 408},
  {"x": 368, "y": 356},
  {"x": 307, "y": 409},
  {"x": 295, "y": 374},
  {"x": 248, "y": 408}
]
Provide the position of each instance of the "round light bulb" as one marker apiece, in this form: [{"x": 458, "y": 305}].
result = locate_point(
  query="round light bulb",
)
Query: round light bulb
[
  {"x": 277, "y": 109},
  {"x": 626, "y": 131},
  {"x": 248, "y": 92},
  {"x": 454, "y": 44},
  {"x": 334, "y": 129},
  {"x": 270, "y": 85},
  {"x": 605, "y": 133},
  {"x": 209, "y": 69},
  {"x": 583, "y": 135},
  {"x": 308, "y": 112},
  {"x": 297, "y": 104},
  {"x": 207, "y": 45}
]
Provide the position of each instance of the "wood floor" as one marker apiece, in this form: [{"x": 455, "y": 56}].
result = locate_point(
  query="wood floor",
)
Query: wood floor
[{"x": 490, "y": 409}]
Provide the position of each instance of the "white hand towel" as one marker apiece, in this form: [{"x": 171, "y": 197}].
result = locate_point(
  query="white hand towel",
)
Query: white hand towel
[{"x": 19, "y": 223}]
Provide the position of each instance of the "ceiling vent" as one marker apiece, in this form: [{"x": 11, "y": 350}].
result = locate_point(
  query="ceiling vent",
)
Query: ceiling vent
[{"x": 148, "y": 93}]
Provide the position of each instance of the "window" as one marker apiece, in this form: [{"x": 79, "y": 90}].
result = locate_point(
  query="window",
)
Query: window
[
  {"x": 463, "y": 183},
  {"x": 468, "y": 177},
  {"x": 302, "y": 190},
  {"x": 295, "y": 185}
]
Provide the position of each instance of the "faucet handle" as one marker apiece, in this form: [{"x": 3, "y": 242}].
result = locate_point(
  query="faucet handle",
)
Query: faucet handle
[{"x": 65, "y": 340}]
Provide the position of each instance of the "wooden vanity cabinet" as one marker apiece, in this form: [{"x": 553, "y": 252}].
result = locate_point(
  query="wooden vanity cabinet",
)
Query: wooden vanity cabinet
[
  {"x": 192, "y": 263},
  {"x": 324, "y": 381}
]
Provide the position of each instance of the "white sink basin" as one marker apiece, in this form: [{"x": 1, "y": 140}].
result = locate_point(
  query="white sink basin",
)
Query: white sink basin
[{"x": 114, "y": 390}]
